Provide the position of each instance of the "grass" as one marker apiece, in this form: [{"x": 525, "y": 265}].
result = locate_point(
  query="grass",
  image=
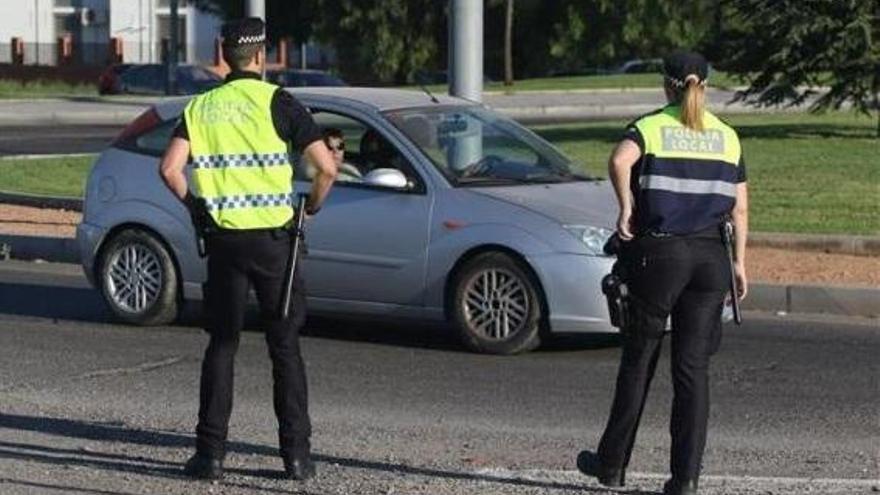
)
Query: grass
[
  {"x": 61, "y": 176},
  {"x": 44, "y": 89},
  {"x": 807, "y": 173},
  {"x": 610, "y": 81}
]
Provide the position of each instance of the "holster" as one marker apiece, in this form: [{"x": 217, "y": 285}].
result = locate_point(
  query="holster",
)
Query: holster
[{"x": 628, "y": 312}]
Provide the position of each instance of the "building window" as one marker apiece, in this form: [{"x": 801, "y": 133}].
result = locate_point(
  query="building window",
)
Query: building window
[{"x": 167, "y": 3}]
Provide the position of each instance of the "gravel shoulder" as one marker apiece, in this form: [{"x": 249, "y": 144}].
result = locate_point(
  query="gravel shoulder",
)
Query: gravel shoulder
[{"x": 765, "y": 265}]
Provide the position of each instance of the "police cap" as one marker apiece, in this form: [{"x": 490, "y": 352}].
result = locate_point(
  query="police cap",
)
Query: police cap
[
  {"x": 248, "y": 31},
  {"x": 678, "y": 65}
]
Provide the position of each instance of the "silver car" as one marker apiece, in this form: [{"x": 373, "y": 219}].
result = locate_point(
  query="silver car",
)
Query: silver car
[{"x": 444, "y": 210}]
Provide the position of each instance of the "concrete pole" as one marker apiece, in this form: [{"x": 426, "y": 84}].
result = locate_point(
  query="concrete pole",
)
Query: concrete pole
[
  {"x": 171, "y": 60},
  {"x": 466, "y": 53},
  {"x": 257, "y": 8}
]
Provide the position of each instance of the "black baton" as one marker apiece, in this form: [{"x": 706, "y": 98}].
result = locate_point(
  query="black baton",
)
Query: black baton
[
  {"x": 296, "y": 239},
  {"x": 727, "y": 232}
]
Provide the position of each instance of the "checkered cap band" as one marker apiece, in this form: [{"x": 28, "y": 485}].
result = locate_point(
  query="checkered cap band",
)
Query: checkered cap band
[
  {"x": 248, "y": 40},
  {"x": 248, "y": 201},
  {"x": 241, "y": 160}
]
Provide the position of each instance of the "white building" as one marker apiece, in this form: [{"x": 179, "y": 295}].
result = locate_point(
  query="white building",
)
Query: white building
[{"x": 141, "y": 25}]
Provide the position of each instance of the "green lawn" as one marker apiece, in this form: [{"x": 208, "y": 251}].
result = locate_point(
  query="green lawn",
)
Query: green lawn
[
  {"x": 807, "y": 173},
  {"x": 63, "y": 176},
  {"x": 44, "y": 89}
]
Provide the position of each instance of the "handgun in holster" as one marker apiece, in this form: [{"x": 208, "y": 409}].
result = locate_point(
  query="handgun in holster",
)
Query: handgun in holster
[
  {"x": 203, "y": 222},
  {"x": 614, "y": 286}
]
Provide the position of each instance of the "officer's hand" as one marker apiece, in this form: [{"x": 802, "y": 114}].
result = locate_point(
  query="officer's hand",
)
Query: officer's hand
[
  {"x": 624, "y": 224},
  {"x": 742, "y": 284}
]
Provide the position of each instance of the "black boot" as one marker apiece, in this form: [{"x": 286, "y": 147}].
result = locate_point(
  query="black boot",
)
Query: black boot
[
  {"x": 203, "y": 467},
  {"x": 680, "y": 487},
  {"x": 590, "y": 464},
  {"x": 299, "y": 467}
]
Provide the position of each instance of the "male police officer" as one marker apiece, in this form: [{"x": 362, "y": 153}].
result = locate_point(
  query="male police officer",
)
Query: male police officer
[{"x": 237, "y": 136}]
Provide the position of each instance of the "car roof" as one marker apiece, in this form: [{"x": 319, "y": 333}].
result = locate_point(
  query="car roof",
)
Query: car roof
[{"x": 370, "y": 99}]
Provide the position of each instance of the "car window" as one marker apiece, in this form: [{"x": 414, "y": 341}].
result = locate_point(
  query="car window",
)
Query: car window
[
  {"x": 154, "y": 141},
  {"x": 366, "y": 150}
]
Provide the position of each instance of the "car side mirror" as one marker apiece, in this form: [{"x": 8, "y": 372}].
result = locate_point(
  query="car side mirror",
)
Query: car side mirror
[{"x": 387, "y": 177}]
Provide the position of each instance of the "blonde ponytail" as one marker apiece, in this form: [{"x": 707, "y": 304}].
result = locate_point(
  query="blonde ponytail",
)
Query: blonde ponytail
[{"x": 692, "y": 103}]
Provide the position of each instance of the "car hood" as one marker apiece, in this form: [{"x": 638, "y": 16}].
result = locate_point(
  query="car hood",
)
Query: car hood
[{"x": 571, "y": 203}]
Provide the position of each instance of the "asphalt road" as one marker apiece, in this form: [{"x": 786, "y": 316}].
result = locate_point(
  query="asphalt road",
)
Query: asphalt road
[
  {"x": 88, "y": 406},
  {"x": 55, "y": 139}
]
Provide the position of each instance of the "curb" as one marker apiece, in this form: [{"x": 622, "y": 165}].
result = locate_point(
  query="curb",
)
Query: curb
[
  {"x": 784, "y": 299},
  {"x": 861, "y": 245},
  {"x": 37, "y": 201},
  {"x": 25, "y": 247}
]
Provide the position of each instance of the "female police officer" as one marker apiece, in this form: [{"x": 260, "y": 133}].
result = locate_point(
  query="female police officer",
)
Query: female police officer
[{"x": 678, "y": 174}]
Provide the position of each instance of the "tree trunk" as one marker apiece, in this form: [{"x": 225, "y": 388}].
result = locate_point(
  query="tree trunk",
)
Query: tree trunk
[{"x": 508, "y": 45}]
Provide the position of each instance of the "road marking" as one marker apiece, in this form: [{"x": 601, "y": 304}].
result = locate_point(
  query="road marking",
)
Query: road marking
[
  {"x": 551, "y": 474},
  {"x": 140, "y": 368}
]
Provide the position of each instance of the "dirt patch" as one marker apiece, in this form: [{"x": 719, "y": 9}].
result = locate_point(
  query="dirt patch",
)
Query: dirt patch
[
  {"x": 43, "y": 222},
  {"x": 768, "y": 265}
]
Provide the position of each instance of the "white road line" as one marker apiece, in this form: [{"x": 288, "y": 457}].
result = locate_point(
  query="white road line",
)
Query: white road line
[{"x": 554, "y": 475}]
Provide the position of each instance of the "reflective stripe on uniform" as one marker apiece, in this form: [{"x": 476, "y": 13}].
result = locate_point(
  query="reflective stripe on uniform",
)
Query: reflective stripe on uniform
[
  {"x": 241, "y": 160},
  {"x": 248, "y": 201},
  {"x": 687, "y": 186}
]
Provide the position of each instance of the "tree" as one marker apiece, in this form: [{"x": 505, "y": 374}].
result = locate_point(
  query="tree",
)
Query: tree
[
  {"x": 388, "y": 40},
  {"x": 792, "y": 50},
  {"x": 284, "y": 18},
  {"x": 600, "y": 32},
  {"x": 508, "y": 45}
]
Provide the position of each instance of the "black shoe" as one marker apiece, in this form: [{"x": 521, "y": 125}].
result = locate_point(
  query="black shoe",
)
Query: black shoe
[
  {"x": 299, "y": 468},
  {"x": 203, "y": 467},
  {"x": 590, "y": 464},
  {"x": 676, "y": 487}
]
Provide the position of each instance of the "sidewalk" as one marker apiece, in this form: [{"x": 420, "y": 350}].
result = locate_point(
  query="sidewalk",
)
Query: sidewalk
[{"x": 527, "y": 107}]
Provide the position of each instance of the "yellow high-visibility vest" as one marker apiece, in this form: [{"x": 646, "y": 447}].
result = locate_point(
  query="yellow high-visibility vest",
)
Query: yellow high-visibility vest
[{"x": 240, "y": 166}]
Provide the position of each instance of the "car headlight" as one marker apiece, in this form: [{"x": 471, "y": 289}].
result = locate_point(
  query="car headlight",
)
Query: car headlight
[{"x": 594, "y": 238}]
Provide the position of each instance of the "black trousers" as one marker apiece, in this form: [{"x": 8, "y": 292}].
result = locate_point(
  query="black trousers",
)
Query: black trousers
[
  {"x": 686, "y": 278},
  {"x": 237, "y": 261}
]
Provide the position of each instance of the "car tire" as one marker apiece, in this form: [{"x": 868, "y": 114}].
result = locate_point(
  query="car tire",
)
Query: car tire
[
  {"x": 496, "y": 305},
  {"x": 138, "y": 279}
]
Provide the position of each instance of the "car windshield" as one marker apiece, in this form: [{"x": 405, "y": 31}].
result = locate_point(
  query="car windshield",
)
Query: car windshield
[{"x": 472, "y": 145}]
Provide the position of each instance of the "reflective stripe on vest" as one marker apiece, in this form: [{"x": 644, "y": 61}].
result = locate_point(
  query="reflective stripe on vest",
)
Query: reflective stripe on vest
[
  {"x": 687, "y": 180},
  {"x": 239, "y": 164}
]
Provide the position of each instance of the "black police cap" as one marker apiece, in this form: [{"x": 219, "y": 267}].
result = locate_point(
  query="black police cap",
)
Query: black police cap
[
  {"x": 678, "y": 65},
  {"x": 249, "y": 31}
]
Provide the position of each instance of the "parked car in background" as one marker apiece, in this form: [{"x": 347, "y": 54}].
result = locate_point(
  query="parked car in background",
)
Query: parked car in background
[
  {"x": 297, "y": 78},
  {"x": 640, "y": 66},
  {"x": 108, "y": 81},
  {"x": 448, "y": 211},
  {"x": 149, "y": 79}
]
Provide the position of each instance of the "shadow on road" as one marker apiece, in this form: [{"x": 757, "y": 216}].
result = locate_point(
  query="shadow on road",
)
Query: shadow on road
[
  {"x": 111, "y": 432},
  {"x": 86, "y": 304},
  {"x": 46, "y": 301}
]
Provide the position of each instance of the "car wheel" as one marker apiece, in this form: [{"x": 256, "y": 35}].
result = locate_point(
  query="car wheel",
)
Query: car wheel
[
  {"x": 496, "y": 305},
  {"x": 139, "y": 279}
]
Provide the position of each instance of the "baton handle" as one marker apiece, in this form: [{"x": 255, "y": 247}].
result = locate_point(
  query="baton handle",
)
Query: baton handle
[{"x": 295, "y": 247}]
